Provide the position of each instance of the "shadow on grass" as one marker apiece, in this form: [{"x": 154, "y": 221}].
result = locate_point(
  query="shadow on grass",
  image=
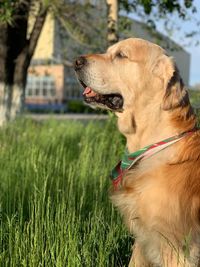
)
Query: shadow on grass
[{"x": 123, "y": 253}]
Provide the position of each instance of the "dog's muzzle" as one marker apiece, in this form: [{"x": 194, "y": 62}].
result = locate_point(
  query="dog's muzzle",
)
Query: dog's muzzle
[{"x": 112, "y": 102}]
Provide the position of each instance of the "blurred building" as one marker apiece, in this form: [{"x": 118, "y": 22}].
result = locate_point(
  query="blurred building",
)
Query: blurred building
[{"x": 51, "y": 83}]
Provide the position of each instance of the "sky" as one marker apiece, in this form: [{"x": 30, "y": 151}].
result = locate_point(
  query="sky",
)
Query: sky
[
  {"x": 195, "y": 54},
  {"x": 192, "y": 49},
  {"x": 195, "y": 64}
]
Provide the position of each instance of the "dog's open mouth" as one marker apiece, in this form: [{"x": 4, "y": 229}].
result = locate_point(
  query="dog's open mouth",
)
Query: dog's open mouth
[{"x": 106, "y": 101}]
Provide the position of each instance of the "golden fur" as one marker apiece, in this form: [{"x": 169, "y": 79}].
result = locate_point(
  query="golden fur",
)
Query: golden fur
[{"x": 160, "y": 198}]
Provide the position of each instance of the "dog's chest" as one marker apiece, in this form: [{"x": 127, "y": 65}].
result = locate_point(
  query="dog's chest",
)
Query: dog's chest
[
  {"x": 140, "y": 204},
  {"x": 135, "y": 219},
  {"x": 129, "y": 206}
]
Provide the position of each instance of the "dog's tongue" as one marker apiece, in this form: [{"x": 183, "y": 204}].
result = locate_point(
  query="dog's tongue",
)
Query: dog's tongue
[{"x": 89, "y": 92}]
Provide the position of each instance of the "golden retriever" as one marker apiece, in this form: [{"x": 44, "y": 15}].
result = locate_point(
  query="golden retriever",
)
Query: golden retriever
[{"x": 159, "y": 197}]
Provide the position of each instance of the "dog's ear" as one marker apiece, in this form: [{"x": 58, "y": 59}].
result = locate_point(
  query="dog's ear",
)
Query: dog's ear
[{"x": 175, "y": 93}]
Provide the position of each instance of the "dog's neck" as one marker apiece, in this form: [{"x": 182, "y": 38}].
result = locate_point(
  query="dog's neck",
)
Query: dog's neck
[{"x": 153, "y": 124}]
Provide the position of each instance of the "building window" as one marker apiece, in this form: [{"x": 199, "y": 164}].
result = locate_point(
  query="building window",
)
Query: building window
[
  {"x": 37, "y": 91},
  {"x": 44, "y": 91},
  {"x": 40, "y": 86},
  {"x": 30, "y": 92},
  {"x": 72, "y": 88},
  {"x": 53, "y": 92}
]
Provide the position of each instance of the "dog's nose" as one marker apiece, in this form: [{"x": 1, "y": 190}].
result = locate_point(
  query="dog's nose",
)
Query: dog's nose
[{"x": 80, "y": 62}]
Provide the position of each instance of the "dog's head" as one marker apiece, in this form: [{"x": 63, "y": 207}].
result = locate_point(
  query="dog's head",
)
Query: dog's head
[{"x": 130, "y": 70}]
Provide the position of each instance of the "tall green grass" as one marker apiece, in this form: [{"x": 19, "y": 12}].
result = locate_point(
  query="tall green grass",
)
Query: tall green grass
[{"x": 54, "y": 195}]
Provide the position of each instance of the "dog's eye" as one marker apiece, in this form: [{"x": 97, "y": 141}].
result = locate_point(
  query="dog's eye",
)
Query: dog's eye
[{"x": 120, "y": 54}]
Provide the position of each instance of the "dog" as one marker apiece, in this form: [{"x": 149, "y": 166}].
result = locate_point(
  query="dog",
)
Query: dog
[{"x": 158, "y": 194}]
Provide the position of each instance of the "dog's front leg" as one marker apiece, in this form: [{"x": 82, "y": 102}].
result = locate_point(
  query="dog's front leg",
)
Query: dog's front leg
[
  {"x": 172, "y": 257},
  {"x": 138, "y": 258}
]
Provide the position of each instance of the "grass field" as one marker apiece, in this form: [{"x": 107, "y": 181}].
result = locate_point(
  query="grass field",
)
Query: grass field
[{"x": 54, "y": 195}]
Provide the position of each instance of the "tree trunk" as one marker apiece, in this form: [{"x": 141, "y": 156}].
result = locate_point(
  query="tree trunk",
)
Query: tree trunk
[
  {"x": 112, "y": 15},
  {"x": 4, "y": 102},
  {"x": 16, "y": 52},
  {"x": 4, "y": 87},
  {"x": 10, "y": 102}
]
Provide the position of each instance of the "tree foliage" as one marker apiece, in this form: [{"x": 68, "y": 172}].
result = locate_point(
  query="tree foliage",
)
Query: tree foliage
[
  {"x": 170, "y": 12},
  {"x": 163, "y": 7}
]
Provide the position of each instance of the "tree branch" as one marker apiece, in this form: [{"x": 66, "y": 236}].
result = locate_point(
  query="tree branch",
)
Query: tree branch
[
  {"x": 65, "y": 62},
  {"x": 24, "y": 58},
  {"x": 37, "y": 28},
  {"x": 112, "y": 26},
  {"x": 3, "y": 51}
]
